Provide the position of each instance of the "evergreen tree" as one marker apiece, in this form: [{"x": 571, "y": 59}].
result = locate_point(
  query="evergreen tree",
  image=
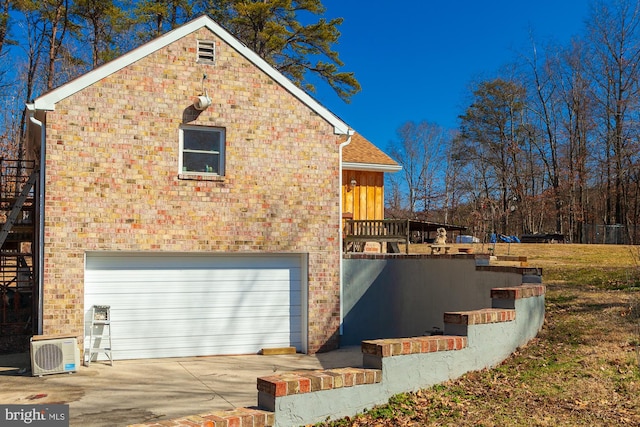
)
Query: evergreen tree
[
  {"x": 101, "y": 21},
  {"x": 5, "y": 8},
  {"x": 274, "y": 30},
  {"x": 159, "y": 16}
]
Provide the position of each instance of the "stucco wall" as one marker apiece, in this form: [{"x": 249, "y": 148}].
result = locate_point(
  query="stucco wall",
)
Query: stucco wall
[
  {"x": 401, "y": 365},
  {"x": 112, "y": 179},
  {"x": 405, "y": 296}
]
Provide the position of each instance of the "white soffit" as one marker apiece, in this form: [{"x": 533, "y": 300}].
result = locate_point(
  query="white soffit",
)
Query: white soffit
[{"x": 49, "y": 100}]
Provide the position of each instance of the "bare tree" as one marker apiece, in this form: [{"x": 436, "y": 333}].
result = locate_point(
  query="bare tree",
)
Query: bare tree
[
  {"x": 420, "y": 152},
  {"x": 577, "y": 126},
  {"x": 393, "y": 198},
  {"x": 34, "y": 28},
  {"x": 614, "y": 39},
  {"x": 546, "y": 112},
  {"x": 453, "y": 171}
]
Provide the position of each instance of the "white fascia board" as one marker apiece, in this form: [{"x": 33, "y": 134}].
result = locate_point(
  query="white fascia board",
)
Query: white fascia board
[
  {"x": 371, "y": 167},
  {"x": 49, "y": 100},
  {"x": 340, "y": 127}
]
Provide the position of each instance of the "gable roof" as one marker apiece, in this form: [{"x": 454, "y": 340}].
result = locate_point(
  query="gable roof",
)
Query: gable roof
[
  {"x": 49, "y": 100},
  {"x": 361, "y": 154}
]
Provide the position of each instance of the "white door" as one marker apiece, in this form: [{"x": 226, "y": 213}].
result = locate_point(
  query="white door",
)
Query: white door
[{"x": 178, "y": 305}]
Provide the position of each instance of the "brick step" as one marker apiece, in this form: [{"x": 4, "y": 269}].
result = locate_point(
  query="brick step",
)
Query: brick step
[
  {"x": 234, "y": 417},
  {"x": 289, "y": 383},
  {"x": 529, "y": 274},
  {"x": 479, "y": 317},
  {"x": 526, "y": 290},
  {"x": 401, "y": 346}
]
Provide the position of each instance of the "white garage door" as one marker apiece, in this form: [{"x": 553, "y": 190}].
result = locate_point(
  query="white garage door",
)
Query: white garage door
[{"x": 178, "y": 305}]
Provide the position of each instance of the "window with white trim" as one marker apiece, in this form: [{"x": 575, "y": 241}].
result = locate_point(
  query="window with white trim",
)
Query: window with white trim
[{"x": 202, "y": 150}]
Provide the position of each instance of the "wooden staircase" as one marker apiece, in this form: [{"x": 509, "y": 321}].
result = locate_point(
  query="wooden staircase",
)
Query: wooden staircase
[{"x": 18, "y": 184}]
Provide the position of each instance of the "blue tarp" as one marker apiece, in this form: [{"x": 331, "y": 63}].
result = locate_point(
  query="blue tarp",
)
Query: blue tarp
[{"x": 506, "y": 239}]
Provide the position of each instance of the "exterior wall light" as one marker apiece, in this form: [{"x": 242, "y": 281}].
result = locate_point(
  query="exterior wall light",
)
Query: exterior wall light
[{"x": 202, "y": 102}]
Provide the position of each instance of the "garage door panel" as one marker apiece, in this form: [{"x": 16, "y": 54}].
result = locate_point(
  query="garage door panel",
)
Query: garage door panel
[
  {"x": 204, "y": 341},
  {"x": 174, "y": 306},
  {"x": 235, "y": 340},
  {"x": 204, "y": 345},
  {"x": 186, "y": 329},
  {"x": 127, "y": 318},
  {"x": 202, "y": 325},
  {"x": 177, "y": 261},
  {"x": 199, "y": 300},
  {"x": 154, "y": 287},
  {"x": 195, "y": 275},
  {"x": 197, "y": 313},
  {"x": 157, "y": 349}
]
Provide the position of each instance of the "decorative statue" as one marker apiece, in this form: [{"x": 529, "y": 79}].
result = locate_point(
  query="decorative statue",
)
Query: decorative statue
[{"x": 439, "y": 244}]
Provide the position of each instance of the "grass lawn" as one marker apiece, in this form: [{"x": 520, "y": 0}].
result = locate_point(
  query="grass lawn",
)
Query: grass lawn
[{"x": 583, "y": 369}]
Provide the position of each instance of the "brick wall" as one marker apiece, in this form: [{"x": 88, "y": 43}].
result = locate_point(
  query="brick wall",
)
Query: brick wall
[{"x": 112, "y": 181}]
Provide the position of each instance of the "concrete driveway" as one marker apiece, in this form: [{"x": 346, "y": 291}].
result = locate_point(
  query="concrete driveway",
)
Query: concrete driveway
[{"x": 134, "y": 391}]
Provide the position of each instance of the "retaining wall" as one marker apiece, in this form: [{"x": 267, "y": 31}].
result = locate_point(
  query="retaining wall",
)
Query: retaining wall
[
  {"x": 405, "y": 295},
  {"x": 473, "y": 340}
]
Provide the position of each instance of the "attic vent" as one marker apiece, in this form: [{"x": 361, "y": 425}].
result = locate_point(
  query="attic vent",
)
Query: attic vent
[{"x": 206, "y": 51}]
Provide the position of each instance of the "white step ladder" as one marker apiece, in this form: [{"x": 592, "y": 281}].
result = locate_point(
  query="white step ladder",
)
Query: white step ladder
[{"x": 99, "y": 334}]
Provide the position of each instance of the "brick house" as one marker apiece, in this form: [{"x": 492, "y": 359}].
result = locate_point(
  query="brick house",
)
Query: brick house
[{"x": 208, "y": 229}]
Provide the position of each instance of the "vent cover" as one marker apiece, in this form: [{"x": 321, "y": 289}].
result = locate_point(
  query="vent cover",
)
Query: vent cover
[
  {"x": 54, "y": 356},
  {"x": 48, "y": 357},
  {"x": 206, "y": 51}
]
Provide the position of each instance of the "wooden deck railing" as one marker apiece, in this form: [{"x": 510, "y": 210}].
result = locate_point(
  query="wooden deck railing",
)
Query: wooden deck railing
[{"x": 383, "y": 230}]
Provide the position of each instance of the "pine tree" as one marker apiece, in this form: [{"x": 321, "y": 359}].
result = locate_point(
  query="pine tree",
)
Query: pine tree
[
  {"x": 159, "y": 16},
  {"x": 275, "y": 31},
  {"x": 5, "y": 7},
  {"x": 100, "y": 21}
]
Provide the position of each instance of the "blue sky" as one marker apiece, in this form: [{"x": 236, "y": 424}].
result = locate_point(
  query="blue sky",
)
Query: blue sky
[{"x": 415, "y": 59}]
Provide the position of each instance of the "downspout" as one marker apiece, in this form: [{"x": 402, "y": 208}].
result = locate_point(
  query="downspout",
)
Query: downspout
[
  {"x": 40, "y": 221},
  {"x": 350, "y": 133}
]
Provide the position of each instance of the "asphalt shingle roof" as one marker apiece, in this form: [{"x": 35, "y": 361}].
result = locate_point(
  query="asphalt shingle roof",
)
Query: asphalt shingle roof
[{"x": 360, "y": 150}]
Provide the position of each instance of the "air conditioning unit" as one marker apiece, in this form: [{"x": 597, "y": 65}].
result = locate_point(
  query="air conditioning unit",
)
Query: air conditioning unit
[{"x": 54, "y": 356}]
